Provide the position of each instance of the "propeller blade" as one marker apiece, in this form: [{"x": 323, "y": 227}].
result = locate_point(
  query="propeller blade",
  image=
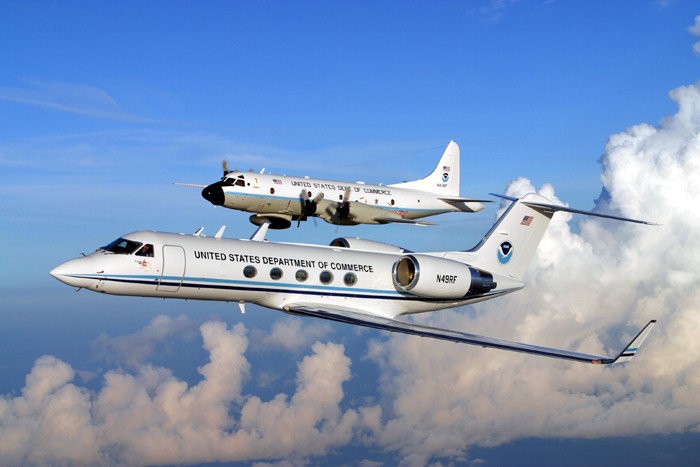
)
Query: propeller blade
[
  {"x": 224, "y": 165},
  {"x": 308, "y": 206},
  {"x": 343, "y": 210}
]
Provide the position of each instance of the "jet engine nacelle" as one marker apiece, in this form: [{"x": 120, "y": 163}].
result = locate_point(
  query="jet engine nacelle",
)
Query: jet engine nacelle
[
  {"x": 434, "y": 277},
  {"x": 367, "y": 245}
]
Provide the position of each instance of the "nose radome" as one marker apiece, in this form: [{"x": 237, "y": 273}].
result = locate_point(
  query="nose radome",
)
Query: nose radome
[
  {"x": 78, "y": 272},
  {"x": 214, "y": 193}
]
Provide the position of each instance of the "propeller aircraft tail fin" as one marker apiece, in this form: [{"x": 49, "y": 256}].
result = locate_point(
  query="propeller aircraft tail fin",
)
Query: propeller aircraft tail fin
[{"x": 444, "y": 179}]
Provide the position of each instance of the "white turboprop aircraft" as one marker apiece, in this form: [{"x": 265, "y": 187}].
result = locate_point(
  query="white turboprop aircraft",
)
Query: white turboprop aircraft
[
  {"x": 280, "y": 199},
  {"x": 352, "y": 281}
]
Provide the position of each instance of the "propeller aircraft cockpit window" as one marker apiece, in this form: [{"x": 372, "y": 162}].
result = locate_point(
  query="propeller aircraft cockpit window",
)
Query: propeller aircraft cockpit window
[{"x": 122, "y": 246}]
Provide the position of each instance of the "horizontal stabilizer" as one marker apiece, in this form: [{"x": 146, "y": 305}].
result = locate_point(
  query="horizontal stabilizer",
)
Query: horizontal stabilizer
[
  {"x": 195, "y": 185},
  {"x": 465, "y": 200},
  {"x": 557, "y": 207},
  {"x": 398, "y": 220},
  {"x": 346, "y": 315}
]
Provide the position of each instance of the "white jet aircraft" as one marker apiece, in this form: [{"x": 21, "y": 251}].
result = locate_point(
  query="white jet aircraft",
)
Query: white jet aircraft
[
  {"x": 352, "y": 281},
  {"x": 280, "y": 199}
]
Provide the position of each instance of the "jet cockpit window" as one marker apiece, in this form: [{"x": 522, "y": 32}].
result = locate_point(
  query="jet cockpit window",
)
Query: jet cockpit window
[
  {"x": 146, "y": 250},
  {"x": 240, "y": 181},
  {"x": 122, "y": 246}
]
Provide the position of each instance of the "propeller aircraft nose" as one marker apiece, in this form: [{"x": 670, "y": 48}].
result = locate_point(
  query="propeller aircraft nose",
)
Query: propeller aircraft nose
[{"x": 214, "y": 193}]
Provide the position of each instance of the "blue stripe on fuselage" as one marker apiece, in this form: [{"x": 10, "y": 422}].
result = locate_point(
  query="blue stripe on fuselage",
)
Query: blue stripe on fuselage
[
  {"x": 271, "y": 287},
  {"x": 385, "y": 208}
]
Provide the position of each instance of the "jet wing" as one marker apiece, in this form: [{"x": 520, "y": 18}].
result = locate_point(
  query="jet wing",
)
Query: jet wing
[{"x": 346, "y": 315}]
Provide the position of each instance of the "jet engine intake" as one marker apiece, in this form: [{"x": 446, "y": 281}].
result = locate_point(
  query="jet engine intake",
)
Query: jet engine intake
[{"x": 434, "y": 277}]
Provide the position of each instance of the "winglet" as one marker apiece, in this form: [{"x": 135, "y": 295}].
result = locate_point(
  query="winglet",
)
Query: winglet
[{"x": 631, "y": 350}]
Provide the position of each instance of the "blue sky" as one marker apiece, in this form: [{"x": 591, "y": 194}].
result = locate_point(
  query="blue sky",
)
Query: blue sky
[{"x": 104, "y": 105}]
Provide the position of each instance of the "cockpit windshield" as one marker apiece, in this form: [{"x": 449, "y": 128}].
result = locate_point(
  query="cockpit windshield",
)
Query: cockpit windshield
[
  {"x": 230, "y": 181},
  {"x": 122, "y": 246}
]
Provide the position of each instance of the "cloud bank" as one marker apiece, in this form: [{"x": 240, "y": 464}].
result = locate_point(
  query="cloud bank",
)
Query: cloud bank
[
  {"x": 150, "y": 417},
  {"x": 589, "y": 289}
]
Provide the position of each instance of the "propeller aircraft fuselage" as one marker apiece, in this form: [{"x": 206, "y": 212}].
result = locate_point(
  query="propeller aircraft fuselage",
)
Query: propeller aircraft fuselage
[{"x": 281, "y": 199}]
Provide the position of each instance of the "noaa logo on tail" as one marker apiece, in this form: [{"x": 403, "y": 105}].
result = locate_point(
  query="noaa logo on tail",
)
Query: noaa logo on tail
[
  {"x": 505, "y": 252},
  {"x": 445, "y": 177}
]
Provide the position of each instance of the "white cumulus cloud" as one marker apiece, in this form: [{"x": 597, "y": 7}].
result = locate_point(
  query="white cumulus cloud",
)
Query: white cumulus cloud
[
  {"x": 151, "y": 417},
  {"x": 293, "y": 334}
]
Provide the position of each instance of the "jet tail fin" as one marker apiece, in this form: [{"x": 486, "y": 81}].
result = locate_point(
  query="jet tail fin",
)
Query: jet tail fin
[
  {"x": 510, "y": 245},
  {"x": 444, "y": 179}
]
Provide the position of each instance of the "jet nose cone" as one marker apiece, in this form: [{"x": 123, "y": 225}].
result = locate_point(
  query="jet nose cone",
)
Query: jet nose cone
[
  {"x": 214, "y": 193},
  {"x": 75, "y": 272}
]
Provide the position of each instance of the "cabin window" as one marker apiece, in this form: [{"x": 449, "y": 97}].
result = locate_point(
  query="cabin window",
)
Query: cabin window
[
  {"x": 240, "y": 181},
  {"x": 392, "y": 202},
  {"x": 272, "y": 191},
  {"x": 146, "y": 250},
  {"x": 275, "y": 274},
  {"x": 350, "y": 279},
  {"x": 326, "y": 277},
  {"x": 122, "y": 246},
  {"x": 250, "y": 272},
  {"x": 301, "y": 275}
]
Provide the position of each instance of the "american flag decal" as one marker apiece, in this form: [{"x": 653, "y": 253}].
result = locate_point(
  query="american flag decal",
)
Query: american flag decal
[
  {"x": 527, "y": 220},
  {"x": 277, "y": 181},
  {"x": 445, "y": 168}
]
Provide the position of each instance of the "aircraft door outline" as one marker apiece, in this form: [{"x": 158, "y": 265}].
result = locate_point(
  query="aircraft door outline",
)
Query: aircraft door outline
[{"x": 173, "y": 269}]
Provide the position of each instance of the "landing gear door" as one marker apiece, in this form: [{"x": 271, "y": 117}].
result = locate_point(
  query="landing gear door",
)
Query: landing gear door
[{"x": 173, "y": 269}]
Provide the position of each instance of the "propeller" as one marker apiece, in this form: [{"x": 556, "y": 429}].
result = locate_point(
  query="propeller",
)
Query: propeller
[
  {"x": 224, "y": 165},
  {"x": 308, "y": 205}
]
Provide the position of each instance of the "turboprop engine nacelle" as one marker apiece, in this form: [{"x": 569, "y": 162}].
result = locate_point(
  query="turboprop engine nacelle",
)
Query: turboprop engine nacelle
[
  {"x": 434, "y": 277},
  {"x": 367, "y": 245}
]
